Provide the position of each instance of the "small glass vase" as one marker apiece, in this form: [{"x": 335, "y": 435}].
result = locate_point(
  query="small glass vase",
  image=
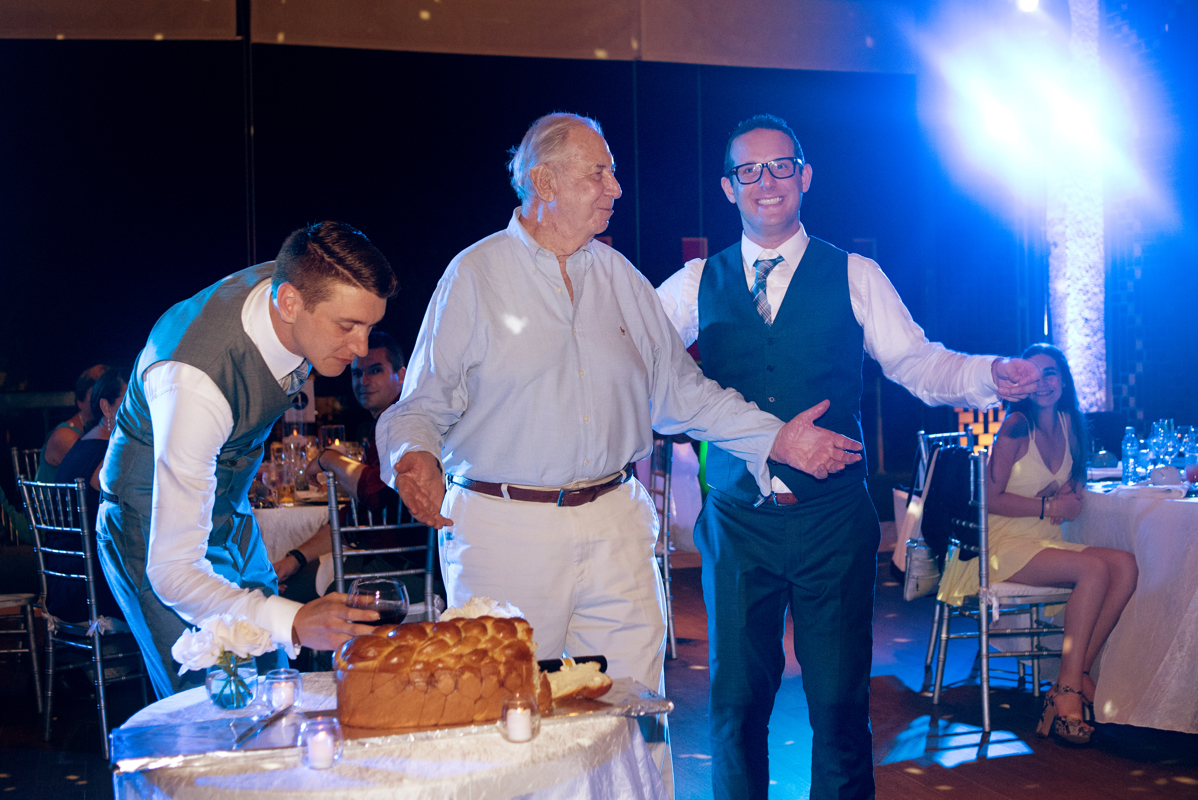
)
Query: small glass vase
[{"x": 231, "y": 682}]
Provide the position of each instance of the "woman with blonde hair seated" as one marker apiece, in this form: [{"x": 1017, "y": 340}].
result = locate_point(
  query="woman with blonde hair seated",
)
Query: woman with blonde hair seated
[{"x": 1037, "y": 479}]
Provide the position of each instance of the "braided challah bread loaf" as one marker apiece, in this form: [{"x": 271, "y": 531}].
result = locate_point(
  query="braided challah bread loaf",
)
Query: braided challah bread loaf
[{"x": 422, "y": 674}]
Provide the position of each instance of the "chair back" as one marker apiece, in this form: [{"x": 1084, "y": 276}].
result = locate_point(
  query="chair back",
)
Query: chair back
[
  {"x": 56, "y": 508},
  {"x": 25, "y": 463},
  {"x": 927, "y": 444},
  {"x": 660, "y": 462},
  {"x": 948, "y": 509},
  {"x": 414, "y": 541}
]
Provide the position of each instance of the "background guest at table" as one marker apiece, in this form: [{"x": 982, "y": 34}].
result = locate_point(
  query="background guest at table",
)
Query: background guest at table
[
  {"x": 1037, "y": 479},
  {"x": 177, "y": 537},
  {"x": 377, "y": 378},
  {"x": 67, "y": 599},
  {"x": 65, "y": 434}
]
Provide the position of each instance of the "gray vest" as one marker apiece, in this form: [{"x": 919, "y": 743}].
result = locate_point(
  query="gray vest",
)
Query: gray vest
[
  {"x": 812, "y": 351},
  {"x": 205, "y": 332}
]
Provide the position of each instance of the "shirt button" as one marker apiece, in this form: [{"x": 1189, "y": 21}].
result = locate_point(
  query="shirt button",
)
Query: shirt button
[
  {"x": 770, "y": 340},
  {"x": 769, "y": 368},
  {"x": 586, "y": 463},
  {"x": 581, "y": 373},
  {"x": 771, "y": 399},
  {"x": 559, "y": 290},
  {"x": 586, "y": 419}
]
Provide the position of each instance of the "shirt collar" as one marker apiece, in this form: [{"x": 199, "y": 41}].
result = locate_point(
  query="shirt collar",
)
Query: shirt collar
[
  {"x": 255, "y": 319},
  {"x": 792, "y": 249},
  {"x": 517, "y": 231}
]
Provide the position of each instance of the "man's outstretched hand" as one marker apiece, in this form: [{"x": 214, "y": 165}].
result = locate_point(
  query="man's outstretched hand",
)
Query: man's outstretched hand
[
  {"x": 1014, "y": 378},
  {"x": 421, "y": 486},
  {"x": 816, "y": 451}
]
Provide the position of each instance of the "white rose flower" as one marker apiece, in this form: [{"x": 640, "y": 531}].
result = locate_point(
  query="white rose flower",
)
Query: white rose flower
[
  {"x": 196, "y": 650},
  {"x": 248, "y": 639},
  {"x": 218, "y": 634}
]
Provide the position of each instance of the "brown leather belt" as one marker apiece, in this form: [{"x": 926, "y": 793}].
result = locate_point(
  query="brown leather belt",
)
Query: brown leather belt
[
  {"x": 561, "y": 497},
  {"x": 783, "y": 499}
]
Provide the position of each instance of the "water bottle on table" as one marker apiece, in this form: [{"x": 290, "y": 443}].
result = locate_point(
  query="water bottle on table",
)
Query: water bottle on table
[{"x": 1131, "y": 449}]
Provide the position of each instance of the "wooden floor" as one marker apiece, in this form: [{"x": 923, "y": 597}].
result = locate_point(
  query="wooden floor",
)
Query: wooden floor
[{"x": 921, "y": 751}]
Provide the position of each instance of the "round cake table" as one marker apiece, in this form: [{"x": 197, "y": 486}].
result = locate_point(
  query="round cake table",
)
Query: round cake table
[{"x": 581, "y": 757}]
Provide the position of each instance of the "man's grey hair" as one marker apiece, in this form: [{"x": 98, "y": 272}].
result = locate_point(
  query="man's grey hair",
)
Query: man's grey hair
[{"x": 544, "y": 143}]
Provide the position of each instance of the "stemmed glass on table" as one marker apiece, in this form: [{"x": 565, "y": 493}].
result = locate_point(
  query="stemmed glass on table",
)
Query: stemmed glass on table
[
  {"x": 1164, "y": 441},
  {"x": 387, "y": 596}
]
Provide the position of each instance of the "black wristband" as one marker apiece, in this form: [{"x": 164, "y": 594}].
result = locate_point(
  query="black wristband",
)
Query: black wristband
[
  {"x": 303, "y": 560},
  {"x": 1043, "y": 500}
]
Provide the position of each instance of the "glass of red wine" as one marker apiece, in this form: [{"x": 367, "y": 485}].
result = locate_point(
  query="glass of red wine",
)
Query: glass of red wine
[{"x": 387, "y": 596}]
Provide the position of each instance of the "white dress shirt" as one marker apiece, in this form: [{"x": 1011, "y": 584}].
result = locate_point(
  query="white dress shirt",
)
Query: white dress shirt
[
  {"x": 930, "y": 371},
  {"x": 192, "y": 421}
]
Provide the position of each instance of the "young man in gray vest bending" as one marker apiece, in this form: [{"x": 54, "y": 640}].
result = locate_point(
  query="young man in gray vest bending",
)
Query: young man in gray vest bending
[
  {"x": 177, "y": 538},
  {"x": 812, "y": 543}
]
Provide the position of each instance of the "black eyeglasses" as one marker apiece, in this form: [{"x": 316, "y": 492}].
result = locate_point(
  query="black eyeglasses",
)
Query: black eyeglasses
[{"x": 780, "y": 168}]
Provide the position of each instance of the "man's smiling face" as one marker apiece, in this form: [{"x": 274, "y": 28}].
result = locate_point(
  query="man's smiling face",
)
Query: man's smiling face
[{"x": 769, "y": 209}]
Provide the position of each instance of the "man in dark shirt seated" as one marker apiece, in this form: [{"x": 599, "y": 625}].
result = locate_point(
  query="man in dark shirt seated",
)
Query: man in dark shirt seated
[{"x": 377, "y": 378}]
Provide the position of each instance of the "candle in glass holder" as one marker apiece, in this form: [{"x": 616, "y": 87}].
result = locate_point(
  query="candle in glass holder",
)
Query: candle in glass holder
[
  {"x": 284, "y": 688},
  {"x": 321, "y": 741},
  {"x": 520, "y": 720}
]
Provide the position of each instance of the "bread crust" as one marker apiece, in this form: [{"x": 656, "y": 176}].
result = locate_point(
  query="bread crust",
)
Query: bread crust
[{"x": 422, "y": 674}]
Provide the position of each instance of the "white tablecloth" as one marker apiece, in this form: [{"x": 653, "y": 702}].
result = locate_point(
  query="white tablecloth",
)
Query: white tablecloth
[
  {"x": 285, "y": 529},
  {"x": 591, "y": 757},
  {"x": 1148, "y": 673}
]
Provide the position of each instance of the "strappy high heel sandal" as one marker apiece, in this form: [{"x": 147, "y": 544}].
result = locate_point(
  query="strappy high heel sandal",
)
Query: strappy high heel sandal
[{"x": 1069, "y": 730}]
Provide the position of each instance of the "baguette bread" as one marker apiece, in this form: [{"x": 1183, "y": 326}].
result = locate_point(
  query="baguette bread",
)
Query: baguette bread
[
  {"x": 422, "y": 674},
  {"x": 580, "y": 680}
]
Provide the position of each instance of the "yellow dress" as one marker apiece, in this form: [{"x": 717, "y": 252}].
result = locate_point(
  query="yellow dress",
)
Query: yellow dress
[{"x": 1013, "y": 540}]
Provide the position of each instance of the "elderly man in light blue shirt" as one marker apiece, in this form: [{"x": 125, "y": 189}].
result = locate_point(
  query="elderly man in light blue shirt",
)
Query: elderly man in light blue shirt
[{"x": 543, "y": 365}]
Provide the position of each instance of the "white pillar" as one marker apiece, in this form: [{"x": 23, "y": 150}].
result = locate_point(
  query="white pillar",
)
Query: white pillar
[{"x": 1076, "y": 262}]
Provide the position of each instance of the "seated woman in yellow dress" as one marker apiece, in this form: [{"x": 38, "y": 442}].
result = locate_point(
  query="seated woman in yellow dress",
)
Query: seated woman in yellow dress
[{"x": 1037, "y": 479}]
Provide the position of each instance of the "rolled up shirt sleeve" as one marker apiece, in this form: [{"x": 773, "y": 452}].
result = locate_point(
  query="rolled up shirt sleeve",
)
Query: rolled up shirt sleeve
[{"x": 192, "y": 421}]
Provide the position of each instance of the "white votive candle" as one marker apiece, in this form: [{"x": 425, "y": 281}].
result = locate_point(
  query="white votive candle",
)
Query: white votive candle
[
  {"x": 519, "y": 724},
  {"x": 282, "y": 694},
  {"x": 321, "y": 750}
]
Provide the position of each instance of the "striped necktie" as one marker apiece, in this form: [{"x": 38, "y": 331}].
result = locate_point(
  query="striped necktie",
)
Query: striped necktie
[
  {"x": 293, "y": 381},
  {"x": 764, "y": 266}
]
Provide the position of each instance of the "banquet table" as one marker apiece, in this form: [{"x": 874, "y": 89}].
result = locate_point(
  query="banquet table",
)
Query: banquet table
[
  {"x": 286, "y": 528},
  {"x": 573, "y": 757},
  {"x": 1148, "y": 672}
]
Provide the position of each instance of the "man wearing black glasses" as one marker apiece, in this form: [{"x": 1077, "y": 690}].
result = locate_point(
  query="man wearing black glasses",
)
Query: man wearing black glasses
[{"x": 812, "y": 543}]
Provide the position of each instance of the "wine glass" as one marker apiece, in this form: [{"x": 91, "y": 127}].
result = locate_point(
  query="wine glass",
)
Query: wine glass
[
  {"x": 1158, "y": 442},
  {"x": 1189, "y": 441},
  {"x": 387, "y": 596}
]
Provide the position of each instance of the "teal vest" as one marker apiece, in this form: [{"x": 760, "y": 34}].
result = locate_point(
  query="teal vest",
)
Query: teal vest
[
  {"x": 812, "y": 352},
  {"x": 206, "y": 332}
]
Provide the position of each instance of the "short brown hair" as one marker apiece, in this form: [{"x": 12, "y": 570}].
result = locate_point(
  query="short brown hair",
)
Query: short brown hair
[
  {"x": 316, "y": 256},
  {"x": 767, "y": 121},
  {"x": 381, "y": 339}
]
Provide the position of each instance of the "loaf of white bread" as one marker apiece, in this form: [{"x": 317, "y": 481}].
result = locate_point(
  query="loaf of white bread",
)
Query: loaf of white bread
[
  {"x": 421, "y": 674},
  {"x": 578, "y": 680}
]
